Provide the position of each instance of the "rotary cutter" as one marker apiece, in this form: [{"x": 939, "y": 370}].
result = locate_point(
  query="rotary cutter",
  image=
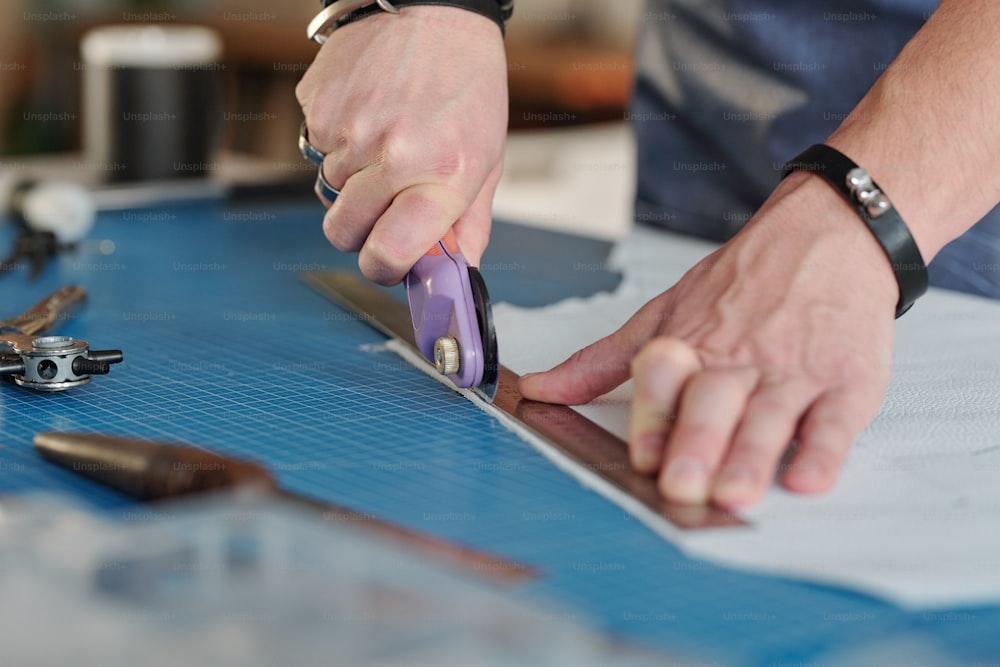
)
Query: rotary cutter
[
  {"x": 452, "y": 318},
  {"x": 449, "y": 303}
]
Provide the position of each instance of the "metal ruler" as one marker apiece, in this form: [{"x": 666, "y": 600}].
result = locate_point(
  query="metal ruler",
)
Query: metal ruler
[{"x": 588, "y": 444}]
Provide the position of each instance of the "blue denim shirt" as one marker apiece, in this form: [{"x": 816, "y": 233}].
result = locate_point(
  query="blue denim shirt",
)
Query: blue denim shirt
[{"x": 727, "y": 91}]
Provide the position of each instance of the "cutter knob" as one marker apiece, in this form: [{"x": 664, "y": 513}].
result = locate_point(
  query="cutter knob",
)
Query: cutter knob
[{"x": 446, "y": 355}]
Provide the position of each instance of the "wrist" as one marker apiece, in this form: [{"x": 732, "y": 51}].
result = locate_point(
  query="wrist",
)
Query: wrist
[
  {"x": 875, "y": 210},
  {"x": 805, "y": 219},
  {"x": 894, "y": 173}
]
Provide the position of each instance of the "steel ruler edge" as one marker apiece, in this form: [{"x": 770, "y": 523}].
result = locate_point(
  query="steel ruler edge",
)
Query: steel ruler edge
[{"x": 587, "y": 444}]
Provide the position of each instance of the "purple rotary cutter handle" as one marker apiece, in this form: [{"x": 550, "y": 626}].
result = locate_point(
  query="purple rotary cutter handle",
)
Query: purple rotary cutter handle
[
  {"x": 452, "y": 319},
  {"x": 449, "y": 304}
]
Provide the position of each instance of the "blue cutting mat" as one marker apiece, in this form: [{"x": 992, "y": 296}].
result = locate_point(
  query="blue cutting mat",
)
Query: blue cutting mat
[{"x": 225, "y": 347}]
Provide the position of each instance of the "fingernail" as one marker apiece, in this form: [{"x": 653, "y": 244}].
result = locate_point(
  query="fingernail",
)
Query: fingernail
[
  {"x": 806, "y": 477},
  {"x": 686, "y": 480},
  {"x": 811, "y": 470},
  {"x": 735, "y": 484},
  {"x": 647, "y": 452}
]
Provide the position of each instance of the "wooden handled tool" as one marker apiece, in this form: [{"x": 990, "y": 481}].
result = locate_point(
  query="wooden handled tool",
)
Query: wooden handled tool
[{"x": 152, "y": 471}]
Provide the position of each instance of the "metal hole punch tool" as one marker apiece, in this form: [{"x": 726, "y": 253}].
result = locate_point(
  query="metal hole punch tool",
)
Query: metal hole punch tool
[
  {"x": 50, "y": 363},
  {"x": 449, "y": 303}
]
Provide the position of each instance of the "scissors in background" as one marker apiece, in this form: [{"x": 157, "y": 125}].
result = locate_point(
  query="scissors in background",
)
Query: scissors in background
[{"x": 50, "y": 217}]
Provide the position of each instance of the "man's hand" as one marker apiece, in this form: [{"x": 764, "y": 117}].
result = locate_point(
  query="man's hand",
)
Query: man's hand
[
  {"x": 784, "y": 333},
  {"x": 411, "y": 112}
]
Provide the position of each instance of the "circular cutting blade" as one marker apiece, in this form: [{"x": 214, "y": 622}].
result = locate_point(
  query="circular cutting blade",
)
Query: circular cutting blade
[{"x": 484, "y": 317}]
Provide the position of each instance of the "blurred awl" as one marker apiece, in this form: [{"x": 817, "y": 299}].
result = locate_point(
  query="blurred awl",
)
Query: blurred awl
[{"x": 149, "y": 470}]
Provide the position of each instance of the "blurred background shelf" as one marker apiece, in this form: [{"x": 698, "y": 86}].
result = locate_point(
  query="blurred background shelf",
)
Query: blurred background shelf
[{"x": 569, "y": 160}]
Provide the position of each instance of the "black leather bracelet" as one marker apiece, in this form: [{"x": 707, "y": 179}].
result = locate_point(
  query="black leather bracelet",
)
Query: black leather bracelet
[
  {"x": 875, "y": 210},
  {"x": 498, "y": 11}
]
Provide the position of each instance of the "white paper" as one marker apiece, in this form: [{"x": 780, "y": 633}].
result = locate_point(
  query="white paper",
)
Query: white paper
[{"x": 913, "y": 517}]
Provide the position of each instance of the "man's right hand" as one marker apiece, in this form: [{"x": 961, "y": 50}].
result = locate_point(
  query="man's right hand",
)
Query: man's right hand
[{"x": 411, "y": 112}]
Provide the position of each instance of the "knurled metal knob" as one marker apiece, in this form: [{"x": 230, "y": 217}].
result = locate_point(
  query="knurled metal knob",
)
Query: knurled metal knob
[{"x": 447, "y": 359}]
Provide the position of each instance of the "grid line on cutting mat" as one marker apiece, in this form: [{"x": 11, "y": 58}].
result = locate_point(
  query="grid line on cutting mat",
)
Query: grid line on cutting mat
[{"x": 249, "y": 361}]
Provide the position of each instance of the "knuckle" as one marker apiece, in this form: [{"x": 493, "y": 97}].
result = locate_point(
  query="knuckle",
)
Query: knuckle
[
  {"x": 652, "y": 417},
  {"x": 329, "y": 132},
  {"x": 657, "y": 354},
  {"x": 446, "y": 159},
  {"x": 426, "y": 205},
  {"x": 654, "y": 316},
  {"x": 382, "y": 262},
  {"x": 755, "y": 455},
  {"x": 329, "y": 136},
  {"x": 339, "y": 235},
  {"x": 719, "y": 383},
  {"x": 770, "y": 407},
  {"x": 828, "y": 433},
  {"x": 688, "y": 436},
  {"x": 305, "y": 89},
  {"x": 399, "y": 147},
  {"x": 593, "y": 373},
  {"x": 301, "y": 93},
  {"x": 591, "y": 365}
]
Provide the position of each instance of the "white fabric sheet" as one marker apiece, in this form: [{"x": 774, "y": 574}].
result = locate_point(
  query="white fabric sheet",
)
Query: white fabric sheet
[{"x": 915, "y": 515}]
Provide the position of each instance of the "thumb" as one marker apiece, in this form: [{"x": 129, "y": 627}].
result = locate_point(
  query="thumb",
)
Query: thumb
[
  {"x": 472, "y": 229},
  {"x": 417, "y": 218}
]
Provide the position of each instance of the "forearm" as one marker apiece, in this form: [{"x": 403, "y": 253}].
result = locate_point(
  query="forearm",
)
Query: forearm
[{"x": 928, "y": 132}]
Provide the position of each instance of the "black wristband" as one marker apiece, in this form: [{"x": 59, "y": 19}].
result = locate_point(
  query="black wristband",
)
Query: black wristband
[
  {"x": 498, "y": 11},
  {"x": 877, "y": 212}
]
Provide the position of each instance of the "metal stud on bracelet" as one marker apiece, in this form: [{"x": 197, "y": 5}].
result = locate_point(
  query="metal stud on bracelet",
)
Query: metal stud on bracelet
[
  {"x": 325, "y": 21},
  {"x": 863, "y": 188}
]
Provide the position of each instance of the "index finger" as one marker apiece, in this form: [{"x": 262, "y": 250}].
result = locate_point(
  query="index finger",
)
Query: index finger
[
  {"x": 599, "y": 367},
  {"x": 416, "y": 219}
]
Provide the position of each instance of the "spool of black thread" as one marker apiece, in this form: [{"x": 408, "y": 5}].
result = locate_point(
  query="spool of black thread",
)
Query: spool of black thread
[{"x": 152, "y": 101}]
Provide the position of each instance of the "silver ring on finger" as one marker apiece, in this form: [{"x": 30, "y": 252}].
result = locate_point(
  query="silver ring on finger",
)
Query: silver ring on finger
[
  {"x": 326, "y": 192},
  {"x": 309, "y": 151}
]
